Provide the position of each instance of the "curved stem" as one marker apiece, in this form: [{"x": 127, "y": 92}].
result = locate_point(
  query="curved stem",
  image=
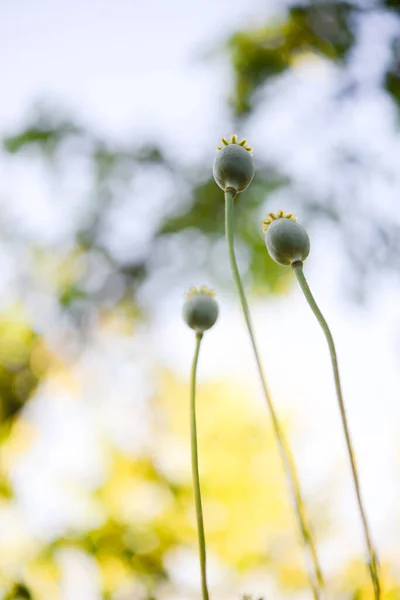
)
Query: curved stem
[
  {"x": 291, "y": 473},
  {"x": 195, "y": 470},
  {"x": 373, "y": 560}
]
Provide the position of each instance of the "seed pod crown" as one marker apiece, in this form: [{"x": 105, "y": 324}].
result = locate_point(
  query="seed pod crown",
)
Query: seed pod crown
[
  {"x": 200, "y": 309},
  {"x": 287, "y": 241},
  {"x": 233, "y": 167}
]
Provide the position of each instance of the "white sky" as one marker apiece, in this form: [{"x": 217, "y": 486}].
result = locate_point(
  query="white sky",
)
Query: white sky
[{"x": 135, "y": 68}]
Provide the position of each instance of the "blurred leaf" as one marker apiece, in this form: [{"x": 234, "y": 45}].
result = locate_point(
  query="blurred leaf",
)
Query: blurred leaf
[
  {"x": 206, "y": 212},
  {"x": 6, "y": 491},
  {"x": 69, "y": 295},
  {"x": 19, "y": 592},
  {"x": 23, "y": 362},
  {"x": 42, "y": 134},
  {"x": 393, "y": 4},
  {"x": 261, "y": 53},
  {"x": 392, "y": 78}
]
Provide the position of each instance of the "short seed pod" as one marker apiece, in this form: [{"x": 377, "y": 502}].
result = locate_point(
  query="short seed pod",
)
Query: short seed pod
[
  {"x": 233, "y": 166},
  {"x": 200, "y": 309},
  {"x": 286, "y": 240}
]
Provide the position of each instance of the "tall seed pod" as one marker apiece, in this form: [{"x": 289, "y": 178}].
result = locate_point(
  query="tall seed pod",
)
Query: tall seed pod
[
  {"x": 200, "y": 311},
  {"x": 233, "y": 172},
  {"x": 287, "y": 241},
  {"x": 288, "y": 244}
]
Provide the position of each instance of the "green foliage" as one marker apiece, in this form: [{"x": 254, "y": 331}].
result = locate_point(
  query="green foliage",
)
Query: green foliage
[
  {"x": 264, "y": 52},
  {"x": 205, "y": 212},
  {"x": 392, "y": 83},
  {"x": 192, "y": 211},
  {"x": 392, "y": 78},
  {"x": 199, "y": 213},
  {"x": 42, "y": 134},
  {"x": 124, "y": 549},
  {"x": 23, "y": 362},
  {"x": 19, "y": 592},
  {"x": 114, "y": 541},
  {"x": 393, "y": 4}
]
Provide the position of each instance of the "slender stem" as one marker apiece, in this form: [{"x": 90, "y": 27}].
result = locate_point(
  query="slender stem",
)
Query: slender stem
[
  {"x": 195, "y": 470},
  {"x": 291, "y": 473},
  {"x": 373, "y": 560}
]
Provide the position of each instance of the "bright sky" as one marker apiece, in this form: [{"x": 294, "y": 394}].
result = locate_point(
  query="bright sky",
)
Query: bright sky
[{"x": 133, "y": 68}]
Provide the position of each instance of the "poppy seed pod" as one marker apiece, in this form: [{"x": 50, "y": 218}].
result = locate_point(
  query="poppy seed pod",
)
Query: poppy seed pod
[
  {"x": 233, "y": 166},
  {"x": 287, "y": 241},
  {"x": 200, "y": 309}
]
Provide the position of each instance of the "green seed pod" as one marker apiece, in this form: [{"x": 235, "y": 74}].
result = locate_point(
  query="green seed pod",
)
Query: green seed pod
[
  {"x": 233, "y": 166},
  {"x": 200, "y": 309},
  {"x": 286, "y": 240}
]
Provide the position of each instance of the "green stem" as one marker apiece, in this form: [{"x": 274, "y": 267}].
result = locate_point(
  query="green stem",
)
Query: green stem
[
  {"x": 317, "y": 581},
  {"x": 373, "y": 560},
  {"x": 195, "y": 470}
]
